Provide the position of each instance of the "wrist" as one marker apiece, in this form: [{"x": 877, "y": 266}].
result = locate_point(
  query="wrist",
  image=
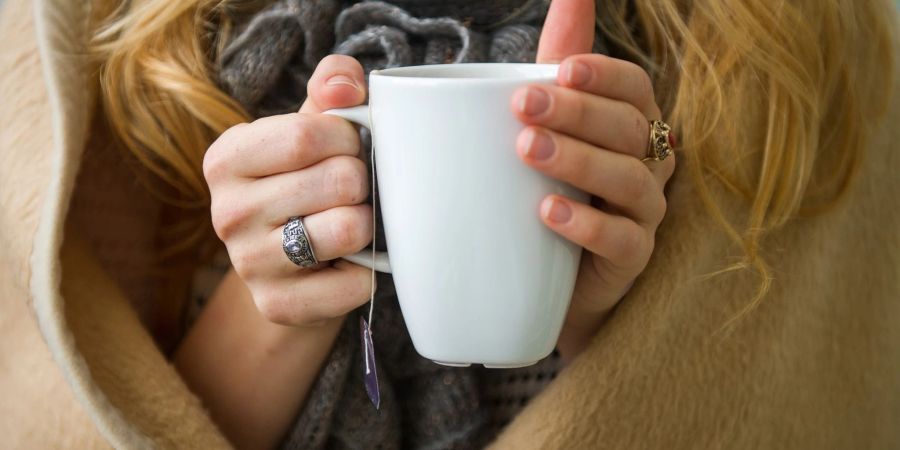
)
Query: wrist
[{"x": 232, "y": 348}]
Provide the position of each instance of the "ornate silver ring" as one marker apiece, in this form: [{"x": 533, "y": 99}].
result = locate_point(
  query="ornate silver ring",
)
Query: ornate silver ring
[{"x": 296, "y": 245}]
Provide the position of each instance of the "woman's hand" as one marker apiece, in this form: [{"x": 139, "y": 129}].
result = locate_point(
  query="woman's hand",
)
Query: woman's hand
[
  {"x": 303, "y": 164},
  {"x": 591, "y": 131},
  {"x": 260, "y": 174}
]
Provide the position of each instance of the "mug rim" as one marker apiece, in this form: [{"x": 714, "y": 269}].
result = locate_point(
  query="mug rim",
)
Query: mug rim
[{"x": 513, "y": 72}]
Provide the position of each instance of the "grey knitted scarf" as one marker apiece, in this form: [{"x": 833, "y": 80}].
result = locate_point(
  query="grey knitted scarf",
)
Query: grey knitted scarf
[{"x": 266, "y": 67}]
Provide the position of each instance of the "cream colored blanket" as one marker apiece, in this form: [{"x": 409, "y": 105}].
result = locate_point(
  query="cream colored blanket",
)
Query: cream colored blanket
[{"x": 817, "y": 365}]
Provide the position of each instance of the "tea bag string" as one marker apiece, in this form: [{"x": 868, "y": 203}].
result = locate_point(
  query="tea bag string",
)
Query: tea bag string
[
  {"x": 374, "y": 220},
  {"x": 370, "y": 372}
]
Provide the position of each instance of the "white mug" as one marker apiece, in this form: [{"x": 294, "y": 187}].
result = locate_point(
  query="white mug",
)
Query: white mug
[{"x": 480, "y": 279}]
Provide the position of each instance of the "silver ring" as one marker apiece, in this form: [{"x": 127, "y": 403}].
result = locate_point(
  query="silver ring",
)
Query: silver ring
[{"x": 296, "y": 245}]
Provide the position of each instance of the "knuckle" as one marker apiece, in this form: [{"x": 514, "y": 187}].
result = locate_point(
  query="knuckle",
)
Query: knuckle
[
  {"x": 244, "y": 260},
  {"x": 273, "y": 306},
  {"x": 346, "y": 231},
  {"x": 629, "y": 246},
  {"x": 360, "y": 288},
  {"x": 356, "y": 287},
  {"x": 596, "y": 232},
  {"x": 661, "y": 208},
  {"x": 229, "y": 217},
  {"x": 347, "y": 178},
  {"x": 344, "y": 136},
  {"x": 215, "y": 159},
  {"x": 213, "y": 167},
  {"x": 302, "y": 136},
  {"x": 645, "y": 86}
]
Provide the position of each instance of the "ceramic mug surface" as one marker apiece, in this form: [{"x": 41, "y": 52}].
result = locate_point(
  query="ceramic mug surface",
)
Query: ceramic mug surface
[{"x": 480, "y": 279}]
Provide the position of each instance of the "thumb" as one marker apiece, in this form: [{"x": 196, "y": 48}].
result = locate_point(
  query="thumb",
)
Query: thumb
[
  {"x": 568, "y": 30},
  {"x": 337, "y": 82}
]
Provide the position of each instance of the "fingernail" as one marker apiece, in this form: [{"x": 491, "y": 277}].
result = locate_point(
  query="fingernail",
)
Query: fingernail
[
  {"x": 558, "y": 211},
  {"x": 341, "y": 79},
  {"x": 577, "y": 73},
  {"x": 534, "y": 102},
  {"x": 540, "y": 146}
]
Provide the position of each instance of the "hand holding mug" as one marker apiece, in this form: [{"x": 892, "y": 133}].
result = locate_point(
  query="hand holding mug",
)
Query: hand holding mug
[
  {"x": 592, "y": 131},
  {"x": 589, "y": 131},
  {"x": 302, "y": 164}
]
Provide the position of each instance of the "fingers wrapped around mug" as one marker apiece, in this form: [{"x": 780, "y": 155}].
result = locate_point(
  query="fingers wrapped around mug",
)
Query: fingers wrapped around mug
[
  {"x": 603, "y": 101},
  {"x": 294, "y": 165},
  {"x": 619, "y": 240},
  {"x": 312, "y": 297},
  {"x": 593, "y": 131},
  {"x": 622, "y": 181}
]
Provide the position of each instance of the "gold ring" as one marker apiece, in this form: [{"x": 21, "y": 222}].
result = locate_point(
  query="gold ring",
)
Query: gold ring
[{"x": 662, "y": 141}]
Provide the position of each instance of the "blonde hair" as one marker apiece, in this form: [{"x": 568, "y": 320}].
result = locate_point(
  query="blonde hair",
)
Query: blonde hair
[
  {"x": 775, "y": 100},
  {"x": 772, "y": 99},
  {"x": 160, "y": 99}
]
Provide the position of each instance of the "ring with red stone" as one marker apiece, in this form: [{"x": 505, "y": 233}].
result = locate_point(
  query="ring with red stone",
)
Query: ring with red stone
[{"x": 662, "y": 141}]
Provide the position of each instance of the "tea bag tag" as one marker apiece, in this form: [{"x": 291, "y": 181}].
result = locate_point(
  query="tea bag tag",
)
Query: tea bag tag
[
  {"x": 367, "y": 347},
  {"x": 370, "y": 376}
]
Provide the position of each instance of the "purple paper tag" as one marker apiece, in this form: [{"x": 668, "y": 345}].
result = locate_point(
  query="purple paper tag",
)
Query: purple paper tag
[{"x": 370, "y": 377}]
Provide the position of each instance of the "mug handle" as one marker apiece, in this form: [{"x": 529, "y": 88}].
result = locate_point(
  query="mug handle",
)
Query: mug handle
[{"x": 360, "y": 116}]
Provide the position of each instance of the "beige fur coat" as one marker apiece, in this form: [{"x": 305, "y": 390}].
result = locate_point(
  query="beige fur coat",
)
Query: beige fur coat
[{"x": 817, "y": 365}]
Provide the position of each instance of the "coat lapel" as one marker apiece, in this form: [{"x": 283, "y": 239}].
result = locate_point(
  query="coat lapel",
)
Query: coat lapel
[{"x": 130, "y": 392}]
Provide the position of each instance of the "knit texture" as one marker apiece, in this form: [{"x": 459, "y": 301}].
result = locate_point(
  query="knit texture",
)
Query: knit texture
[
  {"x": 267, "y": 64},
  {"x": 266, "y": 67}
]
